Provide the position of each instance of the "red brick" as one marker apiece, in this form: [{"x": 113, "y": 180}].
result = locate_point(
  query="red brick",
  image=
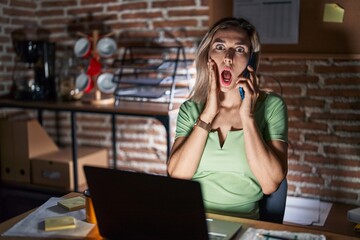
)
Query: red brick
[
  {"x": 347, "y": 128},
  {"x": 336, "y": 69},
  {"x": 124, "y": 25},
  {"x": 296, "y": 113},
  {"x": 292, "y": 79},
  {"x": 299, "y": 168},
  {"x": 345, "y": 184},
  {"x": 291, "y": 90},
  {"x": 25, "y": 4},
  {"x": 50, "y": 13},
  {"x": 138, "y": 34},
  {"x": 188, "y": 13},
  {"x": 333, "y": 92},
  {"x": 335, "y": 161},
  {"x": 21, "y": 22},
  {"x": 85, "y": 10},
  {"x": 128, "y": 6},
  {"x": 304, "y": 178},
  {"x": 308, "y": 126},
  {"x": 294, "y": 135},
  {"x": 142, "y": 15},
  {"x": 173, "y": 3},
  {"x": 284, "y": 68},
  {"x": 18, "y": 12},
  {"x": 4, "y": 20},
  {"x": 339, "y": 194},
  {"x": 345, "y": 105},
  {"x": 342, "y": 151},
  {"x": 343, "y": 81},
  {"x": 59, "y": 3},
  {"x": 300, "y": 146},
  {"x": 305, "y": 101},
  {"x": 56, "y": 21},
  {"x": 327, "y": 138},
  {"x": 175, "y": 23},
  {"x": 88, "y": 2},
  {"x": 335, "y": 116}
]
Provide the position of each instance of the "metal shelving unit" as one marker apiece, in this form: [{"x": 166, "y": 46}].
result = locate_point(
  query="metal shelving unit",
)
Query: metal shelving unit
[{"x": 151, "y": 73}]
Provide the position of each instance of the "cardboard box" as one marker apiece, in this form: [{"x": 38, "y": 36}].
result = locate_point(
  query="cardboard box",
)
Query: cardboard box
[
  {"x": 20, "y": 141},
  {"x": 56, "y": 169}
]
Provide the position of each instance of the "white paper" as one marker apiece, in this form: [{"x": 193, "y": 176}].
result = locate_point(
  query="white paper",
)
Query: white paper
[
  {"x": 302, "y": 211},
  {"x": 254, "y": 234},
  {"x": 325, "y": 208},
  {"x": 33, "y": 224},
  {"x": 306, "y": 211},
  {"x": 277, "y": 21}
]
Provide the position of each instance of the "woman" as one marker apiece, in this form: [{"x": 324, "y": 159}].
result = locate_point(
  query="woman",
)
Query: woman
[{"x": 236, "y": 148}]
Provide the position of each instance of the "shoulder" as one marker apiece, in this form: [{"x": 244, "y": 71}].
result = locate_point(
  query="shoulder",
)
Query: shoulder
[
  {"x": 271, "y": 100},
  {"x": 191, "y": 107}
]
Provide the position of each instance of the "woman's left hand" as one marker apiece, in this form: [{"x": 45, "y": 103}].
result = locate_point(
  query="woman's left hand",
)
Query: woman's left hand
[{"x": 252, "y": 92}]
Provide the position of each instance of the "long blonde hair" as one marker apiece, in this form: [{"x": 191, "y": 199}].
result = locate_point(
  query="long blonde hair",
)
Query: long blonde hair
[{"x": 200, "y": 91}]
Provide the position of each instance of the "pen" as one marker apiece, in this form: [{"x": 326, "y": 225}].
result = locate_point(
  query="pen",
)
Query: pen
[{"x": 268, "y": 236}]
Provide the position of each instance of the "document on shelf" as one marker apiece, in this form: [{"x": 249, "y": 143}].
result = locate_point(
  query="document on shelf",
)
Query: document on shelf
[
  {"x": 277, "y": 21},
  {"x": 34, "y": 224}
]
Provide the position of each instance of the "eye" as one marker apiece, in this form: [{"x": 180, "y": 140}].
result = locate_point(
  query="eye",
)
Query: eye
[
  {"x": 240, "y": 49},
  {"x": 219, "y": 47}
]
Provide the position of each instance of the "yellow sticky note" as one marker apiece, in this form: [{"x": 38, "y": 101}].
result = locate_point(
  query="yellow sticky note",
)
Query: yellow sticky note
[
  {"x": 72, "y": 204},
  {"x": 59, "y": 223},
  {"x": 333, "y": 13}
]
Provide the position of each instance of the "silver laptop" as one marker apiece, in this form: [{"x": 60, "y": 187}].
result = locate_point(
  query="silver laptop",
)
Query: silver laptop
[{"x": 131, "y": 205}]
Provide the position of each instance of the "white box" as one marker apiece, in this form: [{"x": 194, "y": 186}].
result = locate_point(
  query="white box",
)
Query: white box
[
  {"x": 354, "y": 215},
  {"x": 56, "y": 169}
]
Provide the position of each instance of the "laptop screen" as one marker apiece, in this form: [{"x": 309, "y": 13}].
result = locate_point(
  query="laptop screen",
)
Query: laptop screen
[{"x": 131, "y": 205}]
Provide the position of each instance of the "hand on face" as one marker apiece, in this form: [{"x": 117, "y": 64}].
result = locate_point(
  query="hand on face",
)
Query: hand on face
[{"x": 212, "y": 104}]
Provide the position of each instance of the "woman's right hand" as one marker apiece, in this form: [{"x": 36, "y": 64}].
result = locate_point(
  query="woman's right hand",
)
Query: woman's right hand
[{"x": 212, "y": 104}]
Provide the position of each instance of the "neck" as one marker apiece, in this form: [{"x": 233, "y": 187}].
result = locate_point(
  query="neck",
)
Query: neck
[{"x": 230, "y": 99}]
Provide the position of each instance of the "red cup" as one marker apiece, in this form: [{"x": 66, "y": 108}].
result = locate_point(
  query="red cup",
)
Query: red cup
[{"x": 94, "y": 67}]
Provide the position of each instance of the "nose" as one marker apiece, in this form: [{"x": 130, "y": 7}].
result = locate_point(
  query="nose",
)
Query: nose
[{"x": 228, "y": 59}]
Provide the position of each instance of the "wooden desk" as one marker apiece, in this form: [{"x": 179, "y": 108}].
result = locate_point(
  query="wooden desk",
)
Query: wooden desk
[
  {"x": 158, "y": 111},
  {"x": 94, "y": 234}
]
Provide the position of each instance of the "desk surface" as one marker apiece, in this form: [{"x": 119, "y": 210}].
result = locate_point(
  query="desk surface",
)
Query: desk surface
[
  {"x": 94, "y": 234},
  {"x": 124, "y": 107}
]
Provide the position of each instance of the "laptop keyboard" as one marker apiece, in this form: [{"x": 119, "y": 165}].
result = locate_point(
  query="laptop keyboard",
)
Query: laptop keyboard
[{"x": 216, "y": 236}]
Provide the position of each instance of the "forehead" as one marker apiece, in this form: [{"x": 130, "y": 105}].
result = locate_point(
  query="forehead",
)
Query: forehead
[{"x": 232, "y": 34}]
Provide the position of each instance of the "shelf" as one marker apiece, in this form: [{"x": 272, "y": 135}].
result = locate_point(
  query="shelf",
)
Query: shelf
[{"x": 149, "y": 73}]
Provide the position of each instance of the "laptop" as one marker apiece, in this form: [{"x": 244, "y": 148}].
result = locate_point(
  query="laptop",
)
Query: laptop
[{"x": 130, "y": 205}]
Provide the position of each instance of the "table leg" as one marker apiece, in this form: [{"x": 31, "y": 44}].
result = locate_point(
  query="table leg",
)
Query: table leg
[{"x": 74, "y": 149}]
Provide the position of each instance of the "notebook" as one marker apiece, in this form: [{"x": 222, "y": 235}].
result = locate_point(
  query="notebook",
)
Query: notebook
[{"x": 130, "y": 205}]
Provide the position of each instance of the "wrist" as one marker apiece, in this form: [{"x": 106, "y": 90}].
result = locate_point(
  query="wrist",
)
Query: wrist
[
  {"x": 202, "y": 124},
  {"x": 206, "y": 117}
]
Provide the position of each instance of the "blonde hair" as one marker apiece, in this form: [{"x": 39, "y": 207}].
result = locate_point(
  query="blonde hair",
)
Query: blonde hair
[{"x": 200, "y": 91}]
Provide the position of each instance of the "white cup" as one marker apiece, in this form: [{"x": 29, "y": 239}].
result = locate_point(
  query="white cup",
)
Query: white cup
[
  {"x": 84, "y": 83},
  {"x": 106, "y": 47},
  {"x": 105, "y": 84},
  {"x": 82, "y": 47}
]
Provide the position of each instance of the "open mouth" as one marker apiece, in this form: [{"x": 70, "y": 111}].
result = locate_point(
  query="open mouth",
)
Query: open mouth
[{"x": 226, "y": 77}]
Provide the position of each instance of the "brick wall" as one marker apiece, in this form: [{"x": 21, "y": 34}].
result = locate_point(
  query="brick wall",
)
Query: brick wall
[{"x": 322, "y": 92}]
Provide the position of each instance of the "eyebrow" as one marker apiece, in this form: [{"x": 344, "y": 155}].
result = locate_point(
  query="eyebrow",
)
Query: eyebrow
[{"x": 219, "y": 40}]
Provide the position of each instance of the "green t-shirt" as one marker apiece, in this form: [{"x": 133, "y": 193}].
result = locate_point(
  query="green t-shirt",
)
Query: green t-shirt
[{"x": 227, "y": 182}]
